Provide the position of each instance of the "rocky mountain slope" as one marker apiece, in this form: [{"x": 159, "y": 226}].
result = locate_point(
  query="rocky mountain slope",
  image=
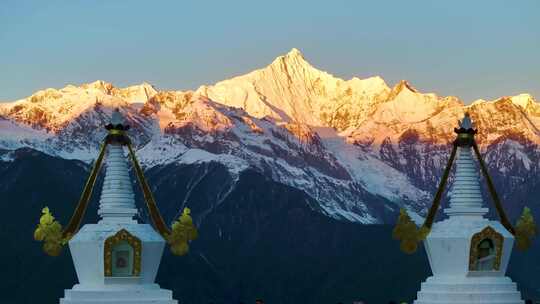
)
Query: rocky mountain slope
[
  {"x": 277, "y": 246},
  {"x": 359, "y": 148}
]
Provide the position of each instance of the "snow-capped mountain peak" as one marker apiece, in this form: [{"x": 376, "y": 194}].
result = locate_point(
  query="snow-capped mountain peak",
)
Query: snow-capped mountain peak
[
  {"x": 291, "y": 89},
  {"x": 523, "y": 100},
  {"x": 338, "y": 140},
  {"x": 98, "y": 85},
  {"x": 402, "y": 86},
  {"x": 293, "y": 57}
]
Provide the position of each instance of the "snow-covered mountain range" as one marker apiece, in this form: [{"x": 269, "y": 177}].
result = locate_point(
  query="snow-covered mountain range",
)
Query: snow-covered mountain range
[{"x": 352, "y": 145}]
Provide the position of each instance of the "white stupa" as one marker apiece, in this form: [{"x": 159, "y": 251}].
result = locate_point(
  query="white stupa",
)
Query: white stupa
[
  {"x": 467, "y": 252},
  {"x": 117, "y": 259}
]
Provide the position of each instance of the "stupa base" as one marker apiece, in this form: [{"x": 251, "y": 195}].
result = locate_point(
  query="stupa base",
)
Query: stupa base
[
  {"x": 470, "y": 290},
  {"x": 138, "y": 294}
]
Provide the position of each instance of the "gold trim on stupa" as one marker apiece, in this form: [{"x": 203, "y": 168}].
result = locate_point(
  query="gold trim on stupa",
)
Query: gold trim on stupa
[
  {"x": 133, "y": 241},
  {"x": 495, "y": 237}
]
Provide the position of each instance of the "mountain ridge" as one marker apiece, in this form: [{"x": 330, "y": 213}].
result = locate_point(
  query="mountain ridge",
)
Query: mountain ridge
[{"x": 345, "y": 142}]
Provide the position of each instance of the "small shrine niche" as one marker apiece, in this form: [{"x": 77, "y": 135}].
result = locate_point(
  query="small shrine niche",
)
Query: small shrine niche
[
  {"x": 122, "y": 255},
  {"x": 486, "y": 250},
  {"x": 122, "y": 260}
]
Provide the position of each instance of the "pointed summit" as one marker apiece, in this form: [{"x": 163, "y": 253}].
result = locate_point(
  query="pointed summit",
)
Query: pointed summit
[
  {"x": 404, "y": 84},
  {"x": 293, "y": 58},
  {"x": 523, "y": 100},
  {"x": 398, "y": 88},
  {"x": 148, "y": 85},
  {"x": 99, "y": 85},
  {"x": 294, "y": 52},
  {"x": 137, "y": 93}
]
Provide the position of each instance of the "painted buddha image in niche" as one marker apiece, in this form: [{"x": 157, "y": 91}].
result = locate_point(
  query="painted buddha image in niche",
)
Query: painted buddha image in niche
[
  {"x": 122, "y": 260},
  {"x": 486, "y": 256}
]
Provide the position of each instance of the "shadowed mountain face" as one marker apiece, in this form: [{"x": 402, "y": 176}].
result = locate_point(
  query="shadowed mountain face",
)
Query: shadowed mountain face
[{"x": 278, "y": 246}]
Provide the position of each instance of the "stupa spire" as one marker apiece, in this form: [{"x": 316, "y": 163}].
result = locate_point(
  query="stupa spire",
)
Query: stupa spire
[
  {"x": 117, "y": 199},
  {"x": 117, "y": 203},
  {"x": 466, "y": 198}
]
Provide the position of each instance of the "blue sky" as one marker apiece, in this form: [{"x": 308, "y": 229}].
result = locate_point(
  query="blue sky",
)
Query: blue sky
[{"x": 471, "y": 49}]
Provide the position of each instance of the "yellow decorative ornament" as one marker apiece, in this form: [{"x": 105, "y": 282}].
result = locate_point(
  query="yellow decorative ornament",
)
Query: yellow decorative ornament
[
  {"x": 183, "y": 231},
  {"x": 408, "y": 233},
  {"x": 525, "y": 230},
  {"x": 49, "y": 231}
]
